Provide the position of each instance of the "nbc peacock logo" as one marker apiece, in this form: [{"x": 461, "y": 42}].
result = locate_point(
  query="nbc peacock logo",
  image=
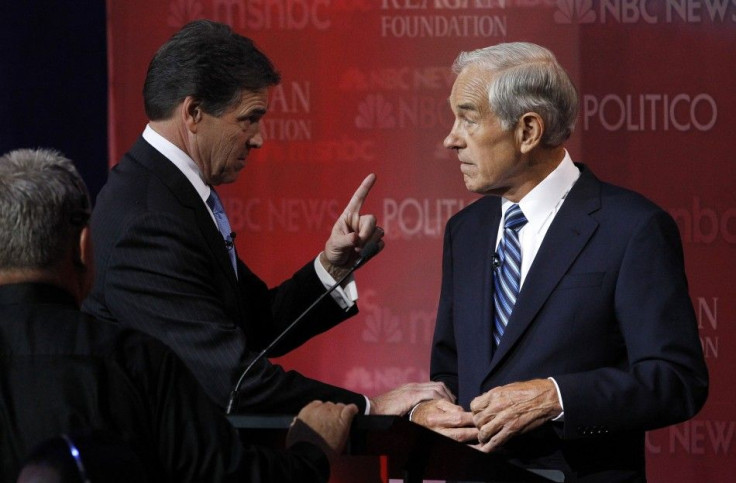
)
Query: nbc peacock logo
[{"x": 574, "y": 11}]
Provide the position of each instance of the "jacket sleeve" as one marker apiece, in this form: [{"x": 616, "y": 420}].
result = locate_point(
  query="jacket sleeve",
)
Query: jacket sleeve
[
  {"x": 195, "y": 440},
  {"x": 159, "y": 279},
  {"x": 666, "y": 379}
]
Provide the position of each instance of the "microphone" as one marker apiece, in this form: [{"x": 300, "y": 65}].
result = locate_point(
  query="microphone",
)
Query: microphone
[
  {"x": 495, "y": 262},
  {"x": 229, "y": 244},
  {"x": 369, "y": 251}
]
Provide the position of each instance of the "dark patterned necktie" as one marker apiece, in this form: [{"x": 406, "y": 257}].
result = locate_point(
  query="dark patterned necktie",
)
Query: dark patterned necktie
[
  {"x": 507, "y": 276},
  {"x": 223, "y": 225}
]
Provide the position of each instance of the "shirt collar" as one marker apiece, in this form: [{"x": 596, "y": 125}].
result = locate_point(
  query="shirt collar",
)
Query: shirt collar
[
  {"x": 180, "y": 159},
  {"x": 544, "y": 199}
]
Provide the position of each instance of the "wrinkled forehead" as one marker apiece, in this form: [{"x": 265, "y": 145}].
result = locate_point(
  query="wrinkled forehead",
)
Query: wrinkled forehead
[{"x": 470, "y": 90}]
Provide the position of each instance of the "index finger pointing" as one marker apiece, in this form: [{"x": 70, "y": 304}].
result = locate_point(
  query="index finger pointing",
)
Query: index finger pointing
[{"x": 356, "y": 202}]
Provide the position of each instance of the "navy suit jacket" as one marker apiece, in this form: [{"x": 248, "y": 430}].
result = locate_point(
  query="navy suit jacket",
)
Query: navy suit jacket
[
  {"x": 604, "y": 309},
  {"x": 162, "y": 268}
]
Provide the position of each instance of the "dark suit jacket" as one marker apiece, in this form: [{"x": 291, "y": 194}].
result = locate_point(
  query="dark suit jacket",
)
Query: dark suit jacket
[
  {"x": 61, "y": 371},
  {"x": 604, "y": 310},
  {"x": 162, "y": 268}
]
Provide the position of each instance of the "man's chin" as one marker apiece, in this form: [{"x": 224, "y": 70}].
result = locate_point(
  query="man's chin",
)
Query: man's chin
[
  {"x": 477, "y": 189},
  {"x": 225, "y": 178},
  {"x": 470, "y": 183},
  {"x": 230, "y": 179}
]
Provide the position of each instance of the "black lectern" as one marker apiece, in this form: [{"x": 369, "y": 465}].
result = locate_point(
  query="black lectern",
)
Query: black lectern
[{"x": 413, "y": 452}]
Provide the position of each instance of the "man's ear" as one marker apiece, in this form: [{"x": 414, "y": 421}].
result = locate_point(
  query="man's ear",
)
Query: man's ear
[
  {"x": 86, "y": 254},
  {"x": 529, "y": 131},
  {"x": 84, "y": 262},
  {"x": 82, "y": 258},
  {"x": 191, "y": 113}
]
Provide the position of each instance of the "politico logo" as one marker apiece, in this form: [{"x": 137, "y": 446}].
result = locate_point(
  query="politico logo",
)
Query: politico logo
[
  {"x": 644, "y": 11},
  {"x": 415, "y": 218},
  {"x": 650, "y": 112}
]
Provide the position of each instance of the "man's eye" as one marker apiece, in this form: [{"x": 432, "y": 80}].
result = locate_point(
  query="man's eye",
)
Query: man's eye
[{"x": 249, "y": 121}]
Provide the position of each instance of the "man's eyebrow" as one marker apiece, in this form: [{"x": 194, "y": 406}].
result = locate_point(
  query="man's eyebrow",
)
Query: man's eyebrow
[
  {"x": 259, "y": 112},
  {"x": 465, "y": 106}
]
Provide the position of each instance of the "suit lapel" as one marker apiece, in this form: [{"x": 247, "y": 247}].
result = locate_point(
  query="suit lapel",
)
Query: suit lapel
[
  {"x": 567, "y": 236},
  {"x": 185, "y": 193},
  {"x": 482, "y": 236}
]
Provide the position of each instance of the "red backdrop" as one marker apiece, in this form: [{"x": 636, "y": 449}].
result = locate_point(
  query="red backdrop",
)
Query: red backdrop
[{"x": 365, "y": 86}]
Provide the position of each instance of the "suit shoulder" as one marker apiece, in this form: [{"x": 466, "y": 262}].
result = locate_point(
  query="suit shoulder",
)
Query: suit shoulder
[
  {"x": 127, "y": 184},
  {"x": 627, "y": 202},
  {"x": 135, "y": 189}
]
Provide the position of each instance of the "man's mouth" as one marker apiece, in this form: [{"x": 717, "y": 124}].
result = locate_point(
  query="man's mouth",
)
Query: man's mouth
[{"x": 466, "y": 168}]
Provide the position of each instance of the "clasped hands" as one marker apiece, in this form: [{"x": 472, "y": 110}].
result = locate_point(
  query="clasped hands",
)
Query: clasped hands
[{"x": 495, "y": 416}]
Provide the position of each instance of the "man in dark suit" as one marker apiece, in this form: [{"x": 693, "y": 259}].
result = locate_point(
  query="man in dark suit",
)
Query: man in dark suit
[
  {"x": 64, "y": 373},
  {"x": 166, "y": 260},
  {"x": 564, "y": 323}
]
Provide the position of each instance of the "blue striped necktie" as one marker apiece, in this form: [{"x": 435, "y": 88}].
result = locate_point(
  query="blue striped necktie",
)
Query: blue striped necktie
[
  {"x": 507, "y": 276},
  {"x": 223, "y": 225}
]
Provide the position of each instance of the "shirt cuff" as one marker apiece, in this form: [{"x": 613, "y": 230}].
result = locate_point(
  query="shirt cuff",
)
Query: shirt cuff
[
  {"x": 560, "y": 417},
  {"x": 344, "y": 296},
  {"x": 367, "y": 406}
]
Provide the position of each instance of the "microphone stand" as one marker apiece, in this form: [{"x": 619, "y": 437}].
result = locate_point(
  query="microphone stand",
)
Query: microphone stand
[{"x": 368, "y": 252}]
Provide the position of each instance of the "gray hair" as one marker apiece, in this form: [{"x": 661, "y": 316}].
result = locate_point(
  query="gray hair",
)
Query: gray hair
[
  {"x": 527, "y": 78},
  {"x": 44, "y": 205}
]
